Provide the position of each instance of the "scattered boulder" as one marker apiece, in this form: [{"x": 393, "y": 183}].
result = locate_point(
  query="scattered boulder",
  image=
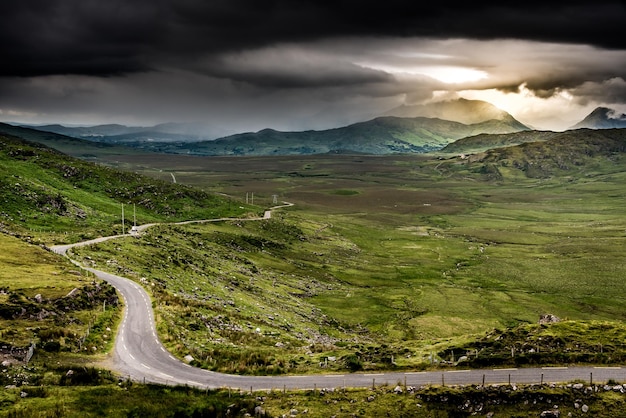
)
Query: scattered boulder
[
  {"x": 397, "y": 390},
  {"x": 72, "y": 293},
  {"x": 189, "y": 358},
  {"x": 585, "y": 408},
  {"x": 549, "y": 319}
]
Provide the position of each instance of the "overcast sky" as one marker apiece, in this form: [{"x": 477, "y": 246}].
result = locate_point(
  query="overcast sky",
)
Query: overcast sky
[{"x": 241, "y": 65}]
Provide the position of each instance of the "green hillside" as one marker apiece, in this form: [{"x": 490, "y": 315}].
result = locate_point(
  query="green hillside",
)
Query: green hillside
[
  {"x": 484, "y": 142},
  {"x": 386, "y": 260},
  {"x": 384, "y": 135},
  {"x": 75, "y": 147},
  {"x": 583, "y": 150},
  {"x": 398, "y": 262},
  {"x": 53, "y": 197}
]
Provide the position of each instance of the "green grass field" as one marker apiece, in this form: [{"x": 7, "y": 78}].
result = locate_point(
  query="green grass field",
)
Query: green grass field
[
  {"x": 402, "y": 256},
  {"x": 383, "y": 263}
]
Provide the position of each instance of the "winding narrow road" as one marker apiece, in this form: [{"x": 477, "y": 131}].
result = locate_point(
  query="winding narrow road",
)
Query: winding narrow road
[{"x": 139, "y": 354}]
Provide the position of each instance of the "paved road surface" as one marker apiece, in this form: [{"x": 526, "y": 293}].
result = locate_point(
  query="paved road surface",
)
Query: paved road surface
[{"x": 139, "y": 354}]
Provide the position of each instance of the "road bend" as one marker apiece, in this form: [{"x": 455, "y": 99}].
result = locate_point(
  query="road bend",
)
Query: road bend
[{"x": 139, "y": 355}]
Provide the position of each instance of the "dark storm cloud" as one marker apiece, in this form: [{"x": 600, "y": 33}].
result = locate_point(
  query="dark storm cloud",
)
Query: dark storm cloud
[
  {"x": 93, "y": 37},
  {"x": 297, "y": 64},
  {"x": 292, "y": 67}
]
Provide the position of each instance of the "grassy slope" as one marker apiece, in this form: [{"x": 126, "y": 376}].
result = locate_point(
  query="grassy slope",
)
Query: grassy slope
[
  {"x": 48, "y": 197},
  {"x": 400, "y": 264},
  {"x": 35, "y": 303},
  {"x": 571, "y": 224},
  {"x": 68, "y": 145},
  {"x": 561, "y": 146},
  {"x": 53, "y": 197},
  {"x": 484, "y": 142},
  {"x": 124, "y": 400}
]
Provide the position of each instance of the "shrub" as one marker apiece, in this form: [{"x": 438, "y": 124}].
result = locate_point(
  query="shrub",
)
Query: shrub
[
  {"x": 86, "y": 376},
  {"x": 52, "y": 346},
  {"x": 353, "y": 362}
]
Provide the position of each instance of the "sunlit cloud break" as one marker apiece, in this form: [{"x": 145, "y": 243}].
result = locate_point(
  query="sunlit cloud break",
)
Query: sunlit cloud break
[{"x": 237, "y": 66}]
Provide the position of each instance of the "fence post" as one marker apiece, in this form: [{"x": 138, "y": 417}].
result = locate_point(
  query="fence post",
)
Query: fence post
[
  {"x": 591, "y": 379},
  {"x": 443, "y": 381},
  {"x": 541, "y": 379}
]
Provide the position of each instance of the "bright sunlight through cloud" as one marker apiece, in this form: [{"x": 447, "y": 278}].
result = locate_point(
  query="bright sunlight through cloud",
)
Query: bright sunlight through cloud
[
  {"x": 445, "y": 73},
  {"x": 451, "y": 75}
]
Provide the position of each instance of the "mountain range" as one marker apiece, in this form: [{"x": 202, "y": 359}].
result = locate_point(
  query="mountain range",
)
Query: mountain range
[
  {"x": 384, "y": 135},
  {"x": 454, "y": 126},
  {"x": 429, "y": 128}
]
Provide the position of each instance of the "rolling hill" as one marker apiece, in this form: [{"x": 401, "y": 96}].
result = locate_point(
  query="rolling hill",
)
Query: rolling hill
[
  {"x": 115, "y": 133},
  {"x": 384, "y": 135},
  {"x": 49, "y": 194},
  {"x": 80, "y": 148},
  {"x": 484, "y": 142},
  {"x": 562, "y": 154}
]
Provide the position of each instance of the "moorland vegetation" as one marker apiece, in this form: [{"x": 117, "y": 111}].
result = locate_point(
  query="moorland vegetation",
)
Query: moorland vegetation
[{"x": 397, "y": 262}]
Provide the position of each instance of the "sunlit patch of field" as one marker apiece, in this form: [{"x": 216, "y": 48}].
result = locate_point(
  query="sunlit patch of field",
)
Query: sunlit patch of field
[
  {"x": 31, "y": 270},
  {"x": 42, "y": 301}
]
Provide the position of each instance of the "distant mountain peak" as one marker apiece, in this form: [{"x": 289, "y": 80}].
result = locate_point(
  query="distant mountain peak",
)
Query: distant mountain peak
[
  {"x": 602, "y": 118},
  {"x": 457, "y": 110}
]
